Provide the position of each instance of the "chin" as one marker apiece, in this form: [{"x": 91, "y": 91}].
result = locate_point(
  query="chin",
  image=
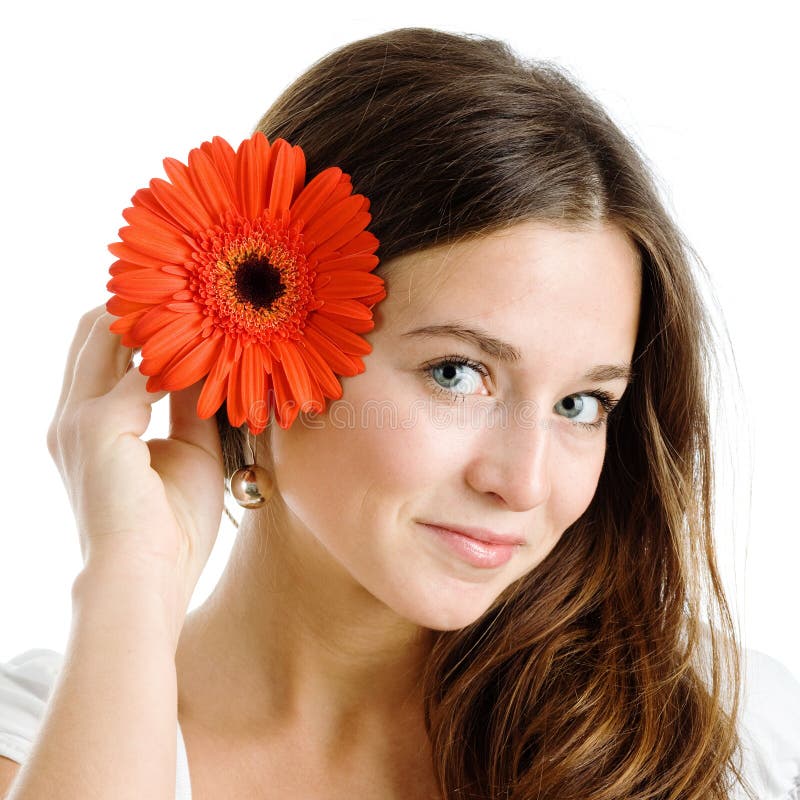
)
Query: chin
[{"x": 443, "y": 616}]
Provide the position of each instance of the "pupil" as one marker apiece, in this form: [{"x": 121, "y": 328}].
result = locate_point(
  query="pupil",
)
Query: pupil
[
  {"x": 450, "y": 372},
  {"x": 258, "y": 282},
  {"x": 569, "y": 402}
]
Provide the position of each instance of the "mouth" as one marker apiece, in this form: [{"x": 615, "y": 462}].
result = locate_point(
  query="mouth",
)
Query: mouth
[
  {"x": 480, "y": 534},
  {"x": 477, "y": 552}
]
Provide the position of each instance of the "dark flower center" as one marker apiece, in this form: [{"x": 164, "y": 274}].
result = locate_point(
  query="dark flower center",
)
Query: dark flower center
[{"x": 258, "y": 282}]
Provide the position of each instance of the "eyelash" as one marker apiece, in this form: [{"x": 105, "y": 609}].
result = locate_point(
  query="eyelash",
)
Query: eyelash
[{"x": 606, "y": 400}]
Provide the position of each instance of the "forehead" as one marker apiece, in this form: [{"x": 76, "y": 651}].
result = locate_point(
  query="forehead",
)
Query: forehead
[{"x": 532, "y": 281}]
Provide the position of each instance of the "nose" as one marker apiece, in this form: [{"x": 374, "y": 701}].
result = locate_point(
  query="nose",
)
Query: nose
[{"x": 512, "y": 462}]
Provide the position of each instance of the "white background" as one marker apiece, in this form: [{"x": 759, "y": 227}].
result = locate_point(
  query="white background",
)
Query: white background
[{"x": 95, "y": 95}]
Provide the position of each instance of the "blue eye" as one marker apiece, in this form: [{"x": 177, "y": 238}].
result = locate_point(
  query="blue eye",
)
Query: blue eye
[
  {"x": 449, "y": 379},
  {"x": 574, "y": 402}
]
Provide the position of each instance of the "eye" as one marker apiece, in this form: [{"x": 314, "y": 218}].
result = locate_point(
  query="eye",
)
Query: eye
[
  {"x": 451, "y": 377},
  {"x": 575, "y": 405}
]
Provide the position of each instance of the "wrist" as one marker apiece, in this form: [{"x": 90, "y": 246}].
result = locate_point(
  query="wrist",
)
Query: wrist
[{"x": 144, "y": 598}]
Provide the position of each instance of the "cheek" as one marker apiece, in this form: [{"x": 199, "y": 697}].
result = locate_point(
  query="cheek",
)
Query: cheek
[
  {"x": 574, "y": 477},
  {"x": 574, "y": 486},
  {"x": 357, "y": 463}
]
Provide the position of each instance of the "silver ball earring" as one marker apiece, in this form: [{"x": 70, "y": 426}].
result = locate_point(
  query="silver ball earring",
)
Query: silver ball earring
[{"x": 251, "y": 485}]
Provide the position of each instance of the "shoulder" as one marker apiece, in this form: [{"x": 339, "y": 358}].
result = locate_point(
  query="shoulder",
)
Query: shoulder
[
  {"x": 769, "y": 725},
  {"x": 25, "y": 684}
]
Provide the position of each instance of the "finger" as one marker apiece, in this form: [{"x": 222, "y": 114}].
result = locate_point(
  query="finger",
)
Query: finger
[
  {"x": 187, "y": 426},
  {"x": 130, "y": 404},
  {"x": 78, "y": 340},
  {"x": 100, "y": 363}
]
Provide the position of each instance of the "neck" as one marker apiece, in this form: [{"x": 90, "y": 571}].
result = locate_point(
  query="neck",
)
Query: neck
[{"x": 289, "y": 641}]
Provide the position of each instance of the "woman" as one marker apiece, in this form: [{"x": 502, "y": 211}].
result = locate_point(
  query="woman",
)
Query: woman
[{"x": 543, "y": 355}]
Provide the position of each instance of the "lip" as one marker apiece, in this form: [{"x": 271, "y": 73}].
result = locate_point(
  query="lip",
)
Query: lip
[
  {"x": 476, "y": 552},
  {"x": 479, "y": 534}
]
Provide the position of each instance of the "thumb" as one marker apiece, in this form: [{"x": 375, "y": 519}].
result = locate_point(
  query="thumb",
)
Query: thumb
[{"x": 186, "y": 425}]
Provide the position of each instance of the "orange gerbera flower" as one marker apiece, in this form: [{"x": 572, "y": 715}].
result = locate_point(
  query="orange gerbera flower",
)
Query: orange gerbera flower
[{"x": 237, "y": 270}]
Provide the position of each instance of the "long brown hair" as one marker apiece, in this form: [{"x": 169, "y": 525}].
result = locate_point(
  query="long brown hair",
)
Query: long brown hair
[{"x": 594, "y": 676}]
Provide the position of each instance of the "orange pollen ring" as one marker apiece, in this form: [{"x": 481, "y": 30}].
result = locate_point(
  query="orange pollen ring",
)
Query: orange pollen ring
[{"x": 253, "y": 279}]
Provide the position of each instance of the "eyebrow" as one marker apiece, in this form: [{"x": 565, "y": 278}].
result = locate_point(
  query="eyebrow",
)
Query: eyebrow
[{"x": 506, "y": 352}]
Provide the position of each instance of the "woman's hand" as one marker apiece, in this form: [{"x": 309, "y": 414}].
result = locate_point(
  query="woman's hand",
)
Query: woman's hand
[{"x": 143, "y": 508}]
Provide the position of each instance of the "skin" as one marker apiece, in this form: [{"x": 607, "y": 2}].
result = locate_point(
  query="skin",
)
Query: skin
[{"x": 313, "y": 641}]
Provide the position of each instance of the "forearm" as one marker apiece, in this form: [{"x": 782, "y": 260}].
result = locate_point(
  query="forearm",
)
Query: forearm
[{"x": 111, "y": 723}]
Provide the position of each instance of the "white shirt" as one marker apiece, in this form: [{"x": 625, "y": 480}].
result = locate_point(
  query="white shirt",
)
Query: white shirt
[{"x": 769, "y": 720}]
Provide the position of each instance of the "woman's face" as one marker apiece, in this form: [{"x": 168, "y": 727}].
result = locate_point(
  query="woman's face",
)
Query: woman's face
[{"x": 419, "y": 439}]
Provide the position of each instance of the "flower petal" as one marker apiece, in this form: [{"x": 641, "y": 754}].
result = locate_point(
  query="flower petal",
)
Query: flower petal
[
  {"x": 146, "y": 285},
  {"x": 186, "y": 371},
  {"x": 299, "y": 171},
  {"x": 123, "y": 326},
  {"x": 342, "y": 236},
  {"x": 119, "y": 307},
  {"x": 365, "y": 242},
  {"x": 130, "y": 254},
  {"x": 252, "y": 162},
  {"x": 266, "y": 356},
  {"x": 155, "y": 369},
  {"x": 120, "y": 267},
  {"x": 180, "y": 177},
  {"x": 296, "y": 372},
  {"x": 282, "y": 184},
  {"x": 224, "y": 158},
  {"x": 343, "y": 284},
  {"x": 184, "y": 207},
  {"x": 253, "y": 379},
  {"x": 341, "y": 191},
  {"x": 153, "y": 237},
  {"x": 362, "y": 263},
  {"x": 374, "y": 298},
  {"x": 166, "y": 342},
  {"x": 210, "y": 185},
  {"x": 320, "y": 369},
  {"x": 338, "y": 361},
  {"x": 144, "y": 198},
  {"x": 316, "y": 192},
  {"x": 349, "y": 342},
  {"x": 154, "y": 320},
  {"x": 286, "y": 407},
  {"x": 184, "y": 306},
  {"x": 351, "y": 323},
  {"x": 236, "y": 410},
  {"x": 333, "y": 220},
  {"x": 353, "y": 309},
  {"x": 317, "y": 402},
  {"x": 215, "y": 386}
]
